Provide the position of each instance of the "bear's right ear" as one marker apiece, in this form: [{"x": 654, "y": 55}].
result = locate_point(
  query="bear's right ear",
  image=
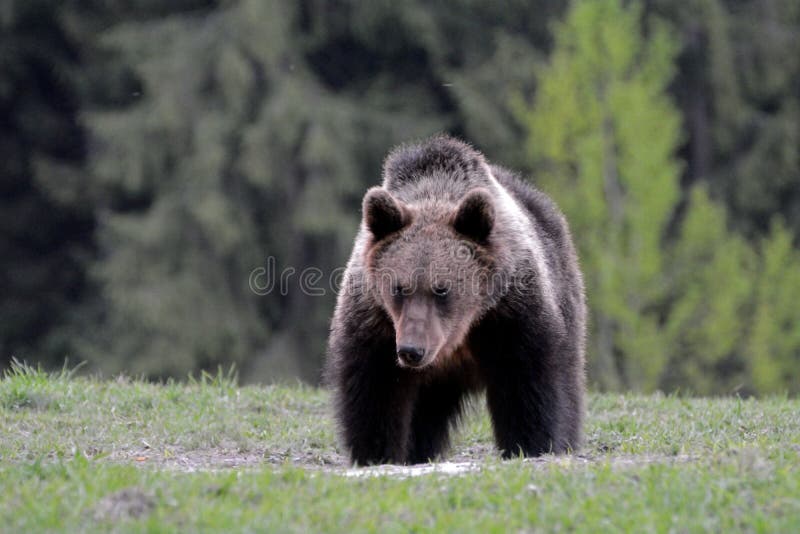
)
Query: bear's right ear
[
  {"x": 474, "y": 217},
  {"x": 383, "y": 214}
]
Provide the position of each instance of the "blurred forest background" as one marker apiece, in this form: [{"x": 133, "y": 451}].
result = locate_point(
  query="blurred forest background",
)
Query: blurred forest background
[{"x": 154, "y": 153}]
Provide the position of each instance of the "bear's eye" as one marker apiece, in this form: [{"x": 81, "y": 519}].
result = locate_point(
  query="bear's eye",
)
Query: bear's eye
[{"x": 441, "y": 291}]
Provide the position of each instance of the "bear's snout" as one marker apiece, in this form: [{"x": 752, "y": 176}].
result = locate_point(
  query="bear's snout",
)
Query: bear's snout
[{"x": 410, "y": 355}]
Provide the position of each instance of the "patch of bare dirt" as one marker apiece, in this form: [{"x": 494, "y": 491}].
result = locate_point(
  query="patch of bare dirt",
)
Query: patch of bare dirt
[{"x": 221, "y": 459}]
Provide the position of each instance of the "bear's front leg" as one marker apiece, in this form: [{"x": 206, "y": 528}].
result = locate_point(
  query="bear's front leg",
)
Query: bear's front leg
[
  {"x": 521, "y": 417},
  {"x": 527, "y": 391},
  {"x": 374, "y": 400},
  {"x": 438, "y": 404}
]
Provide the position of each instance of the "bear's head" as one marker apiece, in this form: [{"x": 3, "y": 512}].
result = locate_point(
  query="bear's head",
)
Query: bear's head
[{"x": 431, "y": 268}]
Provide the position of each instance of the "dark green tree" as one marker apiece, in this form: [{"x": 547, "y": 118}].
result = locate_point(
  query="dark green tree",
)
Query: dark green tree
[
  {"x": 737, "y": 80},
  {"x": 46, "y": 214}
]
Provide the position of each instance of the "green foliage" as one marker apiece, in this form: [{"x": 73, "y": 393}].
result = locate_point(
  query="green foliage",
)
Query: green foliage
[
  {"x": 602, "y": 138},
  {"x": 245, "y": 168},
  {"x": 774, "y": 346},
  {"x": 711, "y": 272}
]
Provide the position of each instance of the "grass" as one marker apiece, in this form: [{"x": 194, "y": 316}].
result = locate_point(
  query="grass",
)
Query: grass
[{"x": 80, "y": 454}]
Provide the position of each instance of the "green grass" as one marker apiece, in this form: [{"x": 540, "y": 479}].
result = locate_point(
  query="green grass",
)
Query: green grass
[{"x": 79, "y": 454}]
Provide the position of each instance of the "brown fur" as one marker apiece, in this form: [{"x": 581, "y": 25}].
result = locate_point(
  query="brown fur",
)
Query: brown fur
[{"x": 463, "y": 278}]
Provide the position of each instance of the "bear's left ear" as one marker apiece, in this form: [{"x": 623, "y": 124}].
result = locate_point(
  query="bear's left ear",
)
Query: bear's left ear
[{"x": 474, "y": 217}]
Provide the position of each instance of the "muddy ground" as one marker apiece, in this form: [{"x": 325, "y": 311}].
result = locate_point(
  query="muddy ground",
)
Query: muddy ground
[{"x": 458, "y": 462}]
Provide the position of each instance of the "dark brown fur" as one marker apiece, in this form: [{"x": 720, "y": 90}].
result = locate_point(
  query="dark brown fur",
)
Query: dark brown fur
[{"x": 486, "y": 291}]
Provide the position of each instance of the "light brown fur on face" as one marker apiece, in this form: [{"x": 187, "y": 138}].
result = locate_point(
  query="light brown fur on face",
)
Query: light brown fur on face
[
  {"x": 418, "y": 325},
  {"x": 432, "y": 283}
]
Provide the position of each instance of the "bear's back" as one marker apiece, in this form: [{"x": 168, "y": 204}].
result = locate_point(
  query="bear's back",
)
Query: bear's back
[
  {"x": 539, "y": 208},
  {"x": 562, "y": 259}
]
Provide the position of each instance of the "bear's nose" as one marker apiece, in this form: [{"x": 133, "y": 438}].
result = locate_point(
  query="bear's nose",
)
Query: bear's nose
[{"x": 409, "y": 355}]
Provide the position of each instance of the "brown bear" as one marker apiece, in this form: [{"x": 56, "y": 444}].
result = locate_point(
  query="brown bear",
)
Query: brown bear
[{"x": 462, "y": 278}]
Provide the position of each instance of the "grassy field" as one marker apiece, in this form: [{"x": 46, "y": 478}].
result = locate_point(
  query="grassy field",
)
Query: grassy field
[{"x": 86, "y": 455}]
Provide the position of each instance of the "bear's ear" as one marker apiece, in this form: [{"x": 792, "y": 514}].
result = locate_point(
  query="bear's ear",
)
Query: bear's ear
[
  {"x": 474, "y": 216},
  {"x": 383, "y": 214}
]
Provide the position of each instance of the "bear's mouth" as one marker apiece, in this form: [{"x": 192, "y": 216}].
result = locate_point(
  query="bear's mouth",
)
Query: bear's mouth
[{"x": 418, "y": 368}]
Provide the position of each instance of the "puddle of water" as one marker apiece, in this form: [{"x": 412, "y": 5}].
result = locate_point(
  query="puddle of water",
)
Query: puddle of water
[
  {"x": 407, "y": 471},
  {"x": 460, "y": 468}
]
